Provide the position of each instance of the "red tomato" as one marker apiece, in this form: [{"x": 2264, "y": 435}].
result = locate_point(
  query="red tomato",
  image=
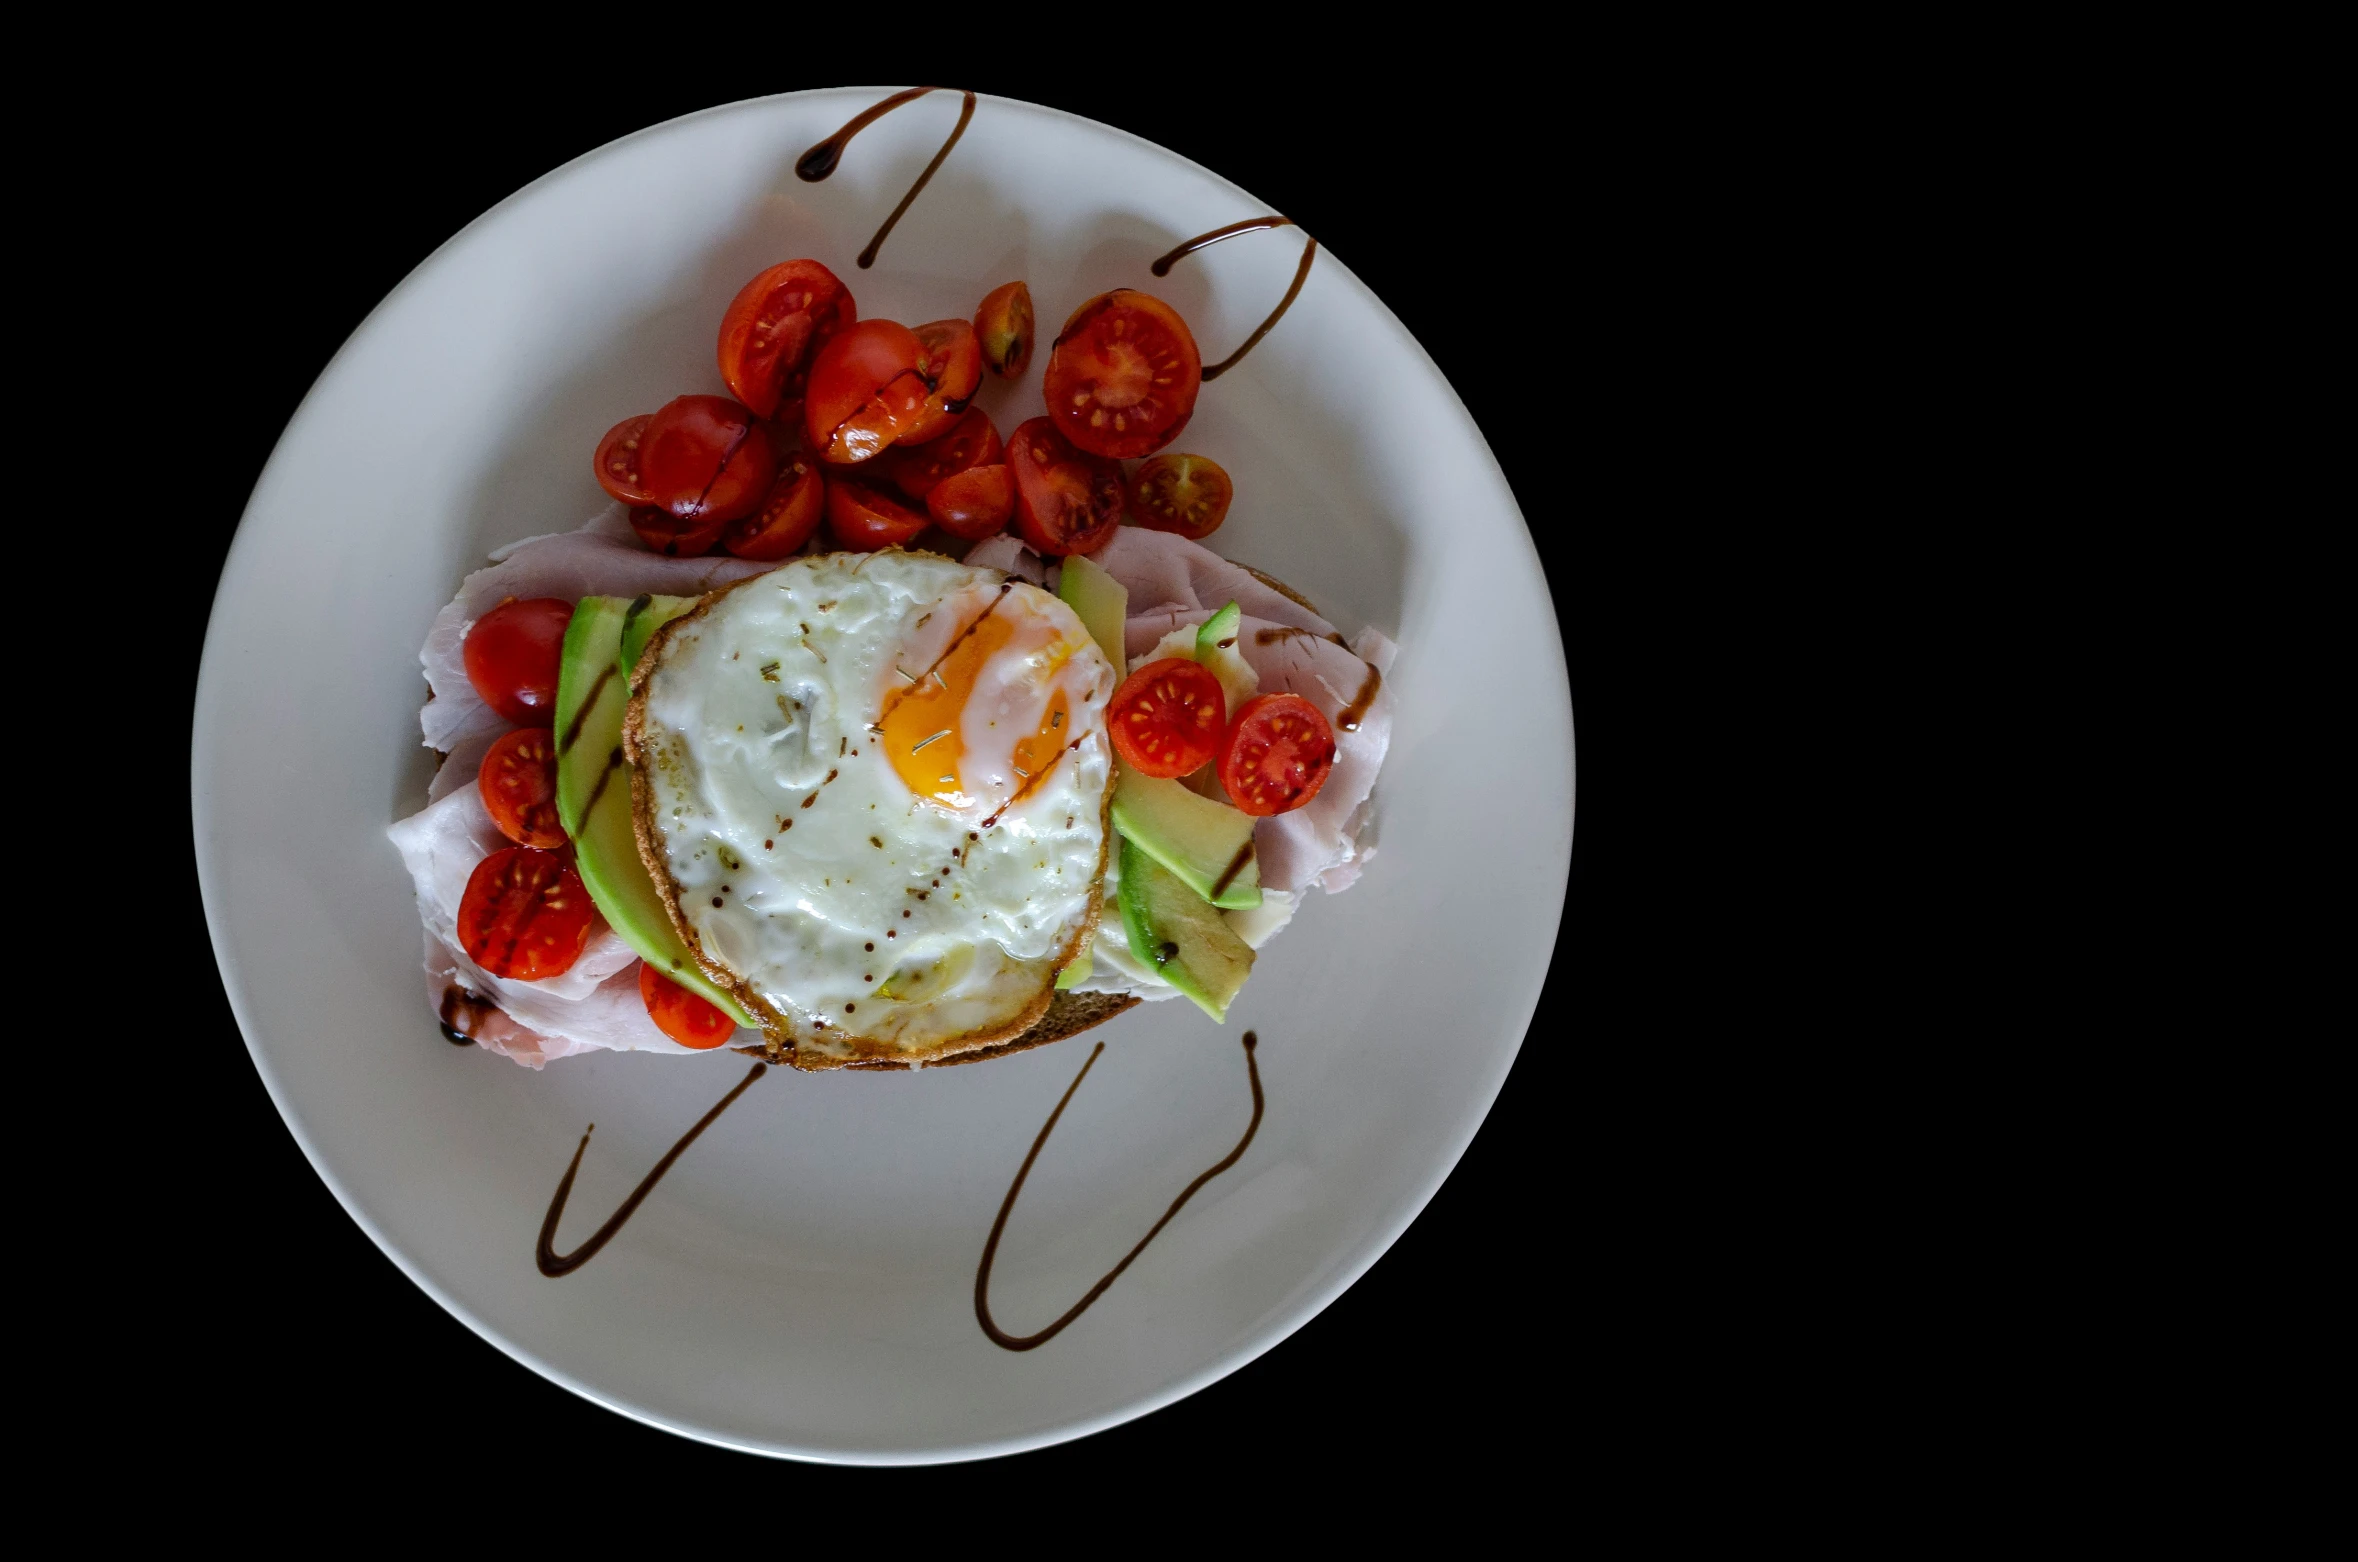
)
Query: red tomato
[
  {"x": 705, "y": 459},
  {"x": 1167, "y": 716},
  {"x": 525, "y": 915},
  {"x": 512, "y": 654},
  {"x": 1003, "y": 324},
  {"x": 519, "y": 785},
  {"x": 864, "y": 520},
  {"x": 1184, "y": 494},
  {"x": 953, "y": 369},
  {"x": 973, "y": 504},
  {"x": 673, "y": 537},
  {"x": 867, "y": 389},
  {"x": 971, "y": 441},
  {"x": 787, "y": 517},
  {"x": 775, "y": 325},
  {"x": 1065, "y": 501},
  {"x": 1123, "y": 375},
  {"x": 617, "y": 461},
  {"x": 1276, "y": 756},
  {"x": 680, "y": 1014}
]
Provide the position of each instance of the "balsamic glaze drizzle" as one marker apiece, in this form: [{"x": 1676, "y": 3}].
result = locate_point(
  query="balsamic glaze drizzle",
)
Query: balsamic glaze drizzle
[
  {"x": 1162, "y": 268},
  {"x": 821, "y": 160},
  {"x": 982, "y": 1274},
  {"x": 553, "y": 1263}
]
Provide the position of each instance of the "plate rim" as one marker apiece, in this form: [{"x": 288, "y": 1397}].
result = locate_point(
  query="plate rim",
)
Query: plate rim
[{"x": 1285, "y": 1323}]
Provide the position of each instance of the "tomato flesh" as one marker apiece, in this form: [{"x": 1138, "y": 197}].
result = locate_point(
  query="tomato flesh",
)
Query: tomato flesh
[
  {"x": 525, "y": 915},
  {"x": 680, "y": 1014},
  {"x": 617, "y": 461},
  {"x": 867, "y": 389},
  {"x": 706, "y": 459},
  {"x": 672, "y": 537},
  {"x": 864, "y": 520},
  {"x": 512, "y": 654},
  {"x": 1003, "y": 324},
  {"x": 973, "y": 504},
  {"x": 1123, "y": 376},
  {"x": 1066, "y": 501},
  {"x": 775, "y": 326},
  {"x": 519, "y": 786},
  {"x": 953, "y": 368},
  {"x": 1276, "y": 755},
  {"x": 970, "y": 441},
  {"x": 1167, "y": 717},
  {"x": 797, "y": 502},
  {"x": 1189, "y": 495}
]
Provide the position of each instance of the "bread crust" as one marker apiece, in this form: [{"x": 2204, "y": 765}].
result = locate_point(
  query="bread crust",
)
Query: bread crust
[{"x": 859, "y": 1051}]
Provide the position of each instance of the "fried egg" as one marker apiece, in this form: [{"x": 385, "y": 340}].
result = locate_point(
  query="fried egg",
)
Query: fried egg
[{"x": 873, "y": 787}]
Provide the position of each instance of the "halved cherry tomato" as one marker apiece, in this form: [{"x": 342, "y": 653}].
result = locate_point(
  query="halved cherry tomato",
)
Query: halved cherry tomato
[
  {"x": 672, "y": 537},
  {"x": 1003, "y": 324},
  {"x": 953, "y": 369},
  {"x": 1276, "y": 755},
  {"x": 680, "y": 1014},
  {"x": 617, "y": 461},
  {"x": 786, "y": 519},
  {"x": 867, "y": 389},
  {"x": 1066, "y": 501},
  {"x": 705, "y": 459},
  {"x": 512, "y": 653},
  {"x": 1184, "y": 494},
  {"x": 1167, "y": 717},
  {"x": 973, "y": 504},
  {"x": 971, "y": 441},
  {"x": 519, "y": 785},
  {"x": 774, "y": 326},
  {"x": 864, "y": 520},
  {"x": 525, "y": 915},
  {"x": 1123, "y": 375}
]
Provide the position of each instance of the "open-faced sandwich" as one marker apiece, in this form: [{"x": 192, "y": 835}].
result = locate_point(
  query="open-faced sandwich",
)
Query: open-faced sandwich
[{"x": 881, "y": 783}]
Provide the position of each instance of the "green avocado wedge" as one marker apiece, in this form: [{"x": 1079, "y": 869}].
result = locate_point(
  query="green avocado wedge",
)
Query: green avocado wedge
[
  {"x": 1103, "y": 604},
  {"x": 641, "y": 619},
  {"x": 593, "y": 793},
  {"x": 1218, "y": 632},
  {"x": 1175, "y": 932},
  {"x": 1207, "y": 844}
]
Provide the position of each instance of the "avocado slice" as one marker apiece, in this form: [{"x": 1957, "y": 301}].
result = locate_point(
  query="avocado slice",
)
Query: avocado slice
[
  {"x": 1078, "y": 970},
  {"x": 1221, "y": 626},
  {"x": 1208, "y": 844},
  {"x": 593, "y": 795},
  {"x": 1102, "y": 602},
  {"x": 641, "y": 619},
  {"x": 1175, "y": 932}
]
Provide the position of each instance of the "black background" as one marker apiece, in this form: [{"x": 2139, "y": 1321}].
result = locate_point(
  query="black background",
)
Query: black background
[{"x": 1541, "y": 1307}]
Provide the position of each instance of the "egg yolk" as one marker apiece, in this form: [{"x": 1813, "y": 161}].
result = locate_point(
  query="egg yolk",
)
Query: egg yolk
[{"x": 922, "y": 722}]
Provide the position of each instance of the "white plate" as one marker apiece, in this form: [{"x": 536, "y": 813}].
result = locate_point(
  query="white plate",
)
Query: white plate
[{"x": 802, "y": 1282}]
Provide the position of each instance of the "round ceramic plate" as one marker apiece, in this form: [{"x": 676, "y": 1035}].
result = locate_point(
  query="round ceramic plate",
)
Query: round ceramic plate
[{"x": 802, "y": 1283}]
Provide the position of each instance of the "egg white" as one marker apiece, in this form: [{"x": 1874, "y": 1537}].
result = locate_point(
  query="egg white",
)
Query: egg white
[{"x": 876, "y": 784}]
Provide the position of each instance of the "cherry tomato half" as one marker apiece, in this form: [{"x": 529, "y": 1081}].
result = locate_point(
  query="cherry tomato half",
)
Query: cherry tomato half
[
  {"x": 1276, "y": 755},
  {"x": 1184, "y": 494},
  {"x": 864, "y": 520},
  {"x": 953, "y": 370},
  {"x": 617, "y": 461},
  {"x": 1003, "y": 324},
  {"x": 1123, "y": 375},
  {"x": 1167, "y": 717},
  {"x": 973, "y": 504},
  {"x": 705, "y": 459},
  {"x": 672, "y": 537},
  {"x": 680, "y": 1014},
  {"x": 519, "y": 785},
  {"x": 511, "y": 654},
  {"x": 1066, "y": 501},
  {"x": 971, "y": 441},
  {"x": 775, "y": 325},
  {"x": 867, "y": 389},
  {"x": 525, "y": 915},
  {"x": 786, "y": 519}
]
